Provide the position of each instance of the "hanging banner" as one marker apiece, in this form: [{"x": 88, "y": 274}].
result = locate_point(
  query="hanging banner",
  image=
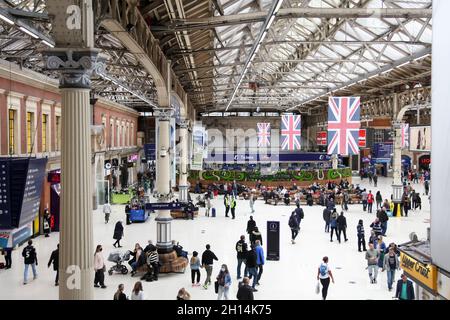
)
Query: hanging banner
[
  {"x": 263, "y": 134},
  {"x": 173, "y": 156},
  {"x": 362, "y": 138},
  {"x": 290, "y": 132},
  {"x": 343, "y": 125},
  {"x": 198, "y": 136},
  {"x": 321, "y": 138},
  {"x": 405, "y": 135}
]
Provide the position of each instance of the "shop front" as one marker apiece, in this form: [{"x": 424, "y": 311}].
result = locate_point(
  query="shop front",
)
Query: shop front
[{"x": 416, "y": 264}]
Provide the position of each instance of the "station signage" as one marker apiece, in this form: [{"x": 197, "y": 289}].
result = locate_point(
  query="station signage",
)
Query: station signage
[
  {"x": 321, "y": 138},
  {"x": 423, "y": 273},
  {"x": 163, "y": 206},
  {"x": 362, "y": 138}
]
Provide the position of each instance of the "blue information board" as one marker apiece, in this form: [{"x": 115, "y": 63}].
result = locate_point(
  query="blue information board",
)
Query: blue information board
[
  {"x": 21, "y": 183},
  {"x": 150, "y": 151},
  {"x": 383, "y": 150}
]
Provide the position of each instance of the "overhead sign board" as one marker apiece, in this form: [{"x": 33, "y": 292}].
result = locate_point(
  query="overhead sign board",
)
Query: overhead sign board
[{"x": 163, "y": 206}]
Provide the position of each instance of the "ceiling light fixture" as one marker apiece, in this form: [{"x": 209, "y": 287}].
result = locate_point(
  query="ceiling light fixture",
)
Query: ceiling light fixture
[
  {"x": 29, "y": 32},
  {"x": 6, "y": 19}
]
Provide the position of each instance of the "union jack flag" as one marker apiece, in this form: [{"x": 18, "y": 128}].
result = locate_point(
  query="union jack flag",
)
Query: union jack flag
[
  {"x": 263, "y": 134},
  {"x": 290, "y": 132},
  {"x": 405, "y": 135},
  {"x": 343, "y": 125}
]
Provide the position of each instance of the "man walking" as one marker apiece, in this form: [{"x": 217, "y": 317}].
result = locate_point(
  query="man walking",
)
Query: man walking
[
  {"x": 251, "y": 266},
  {"x": 294, "y": 225},
  {"x": 405, "y": 289},
  {"x": 361, "y": 236},
  {"x": 342, "y": 227},
  {"x": 390, "y": 264},
  {"x": 107, "y": 211},
  {"x": 372, "y": 256},
  {"x": 375, "y": 179},
  {"x": 54, "y": 258},
  {"x": 8, "y": 257},
  {"x": 30, "y": 258},
  {"x": 364, "y": 199},
  {"x": 260, "y": 260},
  {"x": 208, "y": 258},
  {"x": 299, "y": 213},
  {"x": 327, "y": 218},
  {"x": 370, "y": 199},
  {"x": 241, "y": 250}
]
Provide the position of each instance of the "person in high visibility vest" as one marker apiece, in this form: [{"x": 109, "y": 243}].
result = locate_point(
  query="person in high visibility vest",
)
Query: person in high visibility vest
[
  {"x": 233, "y": 207},
  {"x": 226, "y": 202}
]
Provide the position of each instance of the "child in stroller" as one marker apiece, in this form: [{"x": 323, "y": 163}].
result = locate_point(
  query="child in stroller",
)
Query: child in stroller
[{"x": 118, "y": 258}]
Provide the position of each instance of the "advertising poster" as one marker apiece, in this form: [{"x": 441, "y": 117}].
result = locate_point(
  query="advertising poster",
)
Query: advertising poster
[
  {"x": 197, "y": 147},
  {"x": 420, "y": 138}
]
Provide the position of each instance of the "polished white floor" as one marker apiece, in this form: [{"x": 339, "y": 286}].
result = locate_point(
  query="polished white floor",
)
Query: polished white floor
[{"x": 293, "y": 277}]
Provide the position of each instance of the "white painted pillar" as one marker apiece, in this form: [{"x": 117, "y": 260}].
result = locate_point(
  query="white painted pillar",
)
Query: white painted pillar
[
  {"x": 183, "y": 179},
  {"x": 334, "y": 161},
  {"x": 76, "y": 231},
  {"x": 397, "y": 186},
  {"x": 163, "y": 173}
]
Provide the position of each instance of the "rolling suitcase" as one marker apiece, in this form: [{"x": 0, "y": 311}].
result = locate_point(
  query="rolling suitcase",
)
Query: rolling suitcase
[{"x": 213, "y": 212}]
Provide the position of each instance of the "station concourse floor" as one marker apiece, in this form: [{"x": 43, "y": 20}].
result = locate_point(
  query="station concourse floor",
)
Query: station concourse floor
[{"x": 293, "y": 277}]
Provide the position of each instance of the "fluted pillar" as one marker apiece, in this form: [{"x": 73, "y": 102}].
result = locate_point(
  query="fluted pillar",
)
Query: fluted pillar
[
  {"x": 76, "y": 251},
  {"x": 183, "y": 179},
  {"x": 163, "y": 173},
  {"x": 397, "y": 186},
  {"x": 334, "y": 161}
]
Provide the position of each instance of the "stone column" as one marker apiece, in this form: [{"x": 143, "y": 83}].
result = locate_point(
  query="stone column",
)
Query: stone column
[
  {"x": 164, "y": 193},
  {"x": 334, "y": 161},
  {"x": 76, "y": 234},
  {"x": 183, "y": 182},
  {"x": 397, "y": 186}
]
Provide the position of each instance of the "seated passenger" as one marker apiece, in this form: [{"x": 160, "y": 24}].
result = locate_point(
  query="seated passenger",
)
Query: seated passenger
[
  {"x": 179, "y": 249},
  {"x": 138, "y": 258}
]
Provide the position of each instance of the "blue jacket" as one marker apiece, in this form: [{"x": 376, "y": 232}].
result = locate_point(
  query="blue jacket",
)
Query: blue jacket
[{"x": 260, "y": 255}]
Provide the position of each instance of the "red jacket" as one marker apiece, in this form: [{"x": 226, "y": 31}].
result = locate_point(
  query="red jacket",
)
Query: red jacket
[{"x": 370, "y": 198}]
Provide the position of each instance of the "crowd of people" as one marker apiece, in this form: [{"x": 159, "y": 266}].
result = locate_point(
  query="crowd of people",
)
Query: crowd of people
[{"x": 250, "y": 255}]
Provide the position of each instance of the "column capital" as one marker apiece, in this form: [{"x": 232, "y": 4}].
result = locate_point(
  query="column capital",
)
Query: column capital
[
  {"x": 75, "y": 66},
  {"x": 184, "y": 123},
  {"x": 163, "y": 114}
]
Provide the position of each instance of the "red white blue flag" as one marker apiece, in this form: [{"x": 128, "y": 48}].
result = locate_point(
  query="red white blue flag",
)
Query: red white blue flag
[
  {"x": 263, "y": 134},
  {"x": 343, "y": 125},
  {"x": 290, "y": 132},
  {"x": 405, "y": 135}
]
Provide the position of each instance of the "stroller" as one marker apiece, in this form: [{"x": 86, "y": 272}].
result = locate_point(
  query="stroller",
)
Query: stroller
[{"x": 118, "y": 258}]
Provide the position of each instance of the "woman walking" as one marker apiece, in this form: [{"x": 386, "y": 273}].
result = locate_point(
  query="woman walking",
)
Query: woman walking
[
  {"x": 118, "y": 234},
  {"x": 323, "y": 275},
  {"x": 99, "y": 267},
  {"x": 119, "y": 295},
  {"x": 195, "y": 269},
  {"x": 379, "y": 199},
  {"x": 224, "y": 281},
  {"x": 138, "y": 292}
]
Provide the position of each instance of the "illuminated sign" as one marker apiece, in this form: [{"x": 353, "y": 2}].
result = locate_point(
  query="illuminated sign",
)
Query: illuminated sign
[{"x": 424, "y": 273}]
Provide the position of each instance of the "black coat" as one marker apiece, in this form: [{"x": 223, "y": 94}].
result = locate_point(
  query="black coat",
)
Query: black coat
[
  {"x": 341, "y": 222},
  {"x": 245, "y": 292},
  {"x": 118, "y": 231},
  {"x": 250, "y": 261},
  {"x": 255, "y": 236},
  {"x": 409, "y": 289},
  {"x": 54, "y": 258},
  {"x": 251, "y": 224},
  {"x": 327, "y": 215}
]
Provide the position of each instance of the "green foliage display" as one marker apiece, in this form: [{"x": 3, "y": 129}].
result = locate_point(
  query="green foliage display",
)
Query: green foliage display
[{"x": 297, "y": 175}]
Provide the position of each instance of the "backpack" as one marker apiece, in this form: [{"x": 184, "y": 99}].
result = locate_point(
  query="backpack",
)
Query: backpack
[{"x": 323, "y": 269}]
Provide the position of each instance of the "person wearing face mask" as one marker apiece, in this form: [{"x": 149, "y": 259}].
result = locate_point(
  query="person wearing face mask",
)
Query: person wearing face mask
[
  {"x": 224, "y": 281},
  {"x": 99, "y": 267}
]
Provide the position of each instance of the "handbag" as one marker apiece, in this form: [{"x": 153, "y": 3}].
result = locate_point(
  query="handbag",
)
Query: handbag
[
  {"x": 216, "y": 286},
  {"x": 318, "y": 287}
]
